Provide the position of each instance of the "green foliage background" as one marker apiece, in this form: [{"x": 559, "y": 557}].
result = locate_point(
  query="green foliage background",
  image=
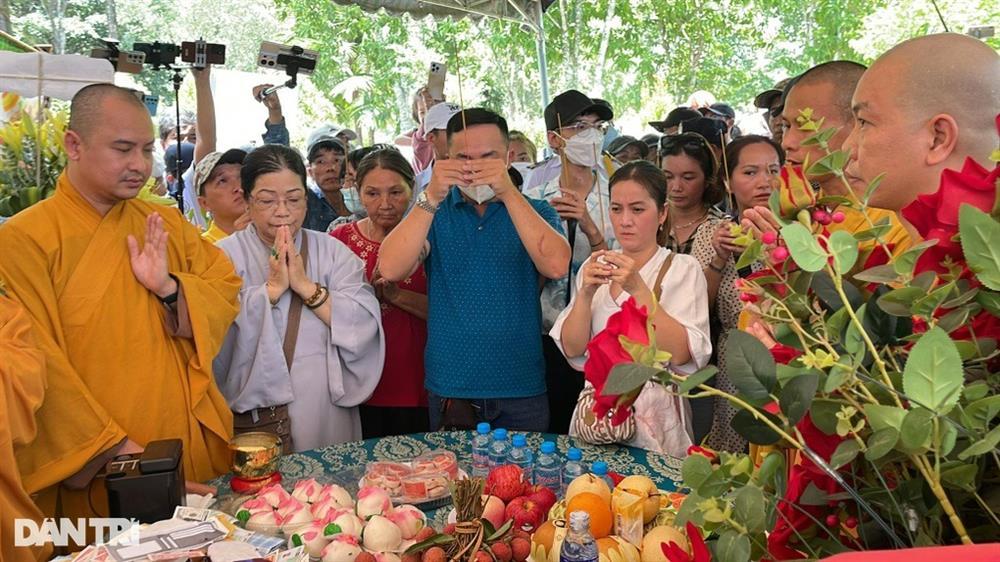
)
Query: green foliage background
[{"x": 644, "y": 56}]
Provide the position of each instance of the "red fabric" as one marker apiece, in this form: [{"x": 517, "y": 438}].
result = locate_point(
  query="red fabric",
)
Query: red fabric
[
  {"x": 605, "y": 351},
  {"x": 965, "y": 553},
  {"x": 402, "y": 383}
]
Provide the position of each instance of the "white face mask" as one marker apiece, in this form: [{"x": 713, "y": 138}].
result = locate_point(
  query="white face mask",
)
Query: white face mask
[
  {"x": 584, "y": 148},
  {"x": 478, "y": 193}
]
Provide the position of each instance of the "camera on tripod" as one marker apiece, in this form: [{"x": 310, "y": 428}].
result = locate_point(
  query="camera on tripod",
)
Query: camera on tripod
[{"x": 199, "y": 53}]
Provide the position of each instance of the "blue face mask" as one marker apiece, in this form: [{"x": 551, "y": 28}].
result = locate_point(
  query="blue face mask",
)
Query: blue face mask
[{"x": 610, "y": 135}]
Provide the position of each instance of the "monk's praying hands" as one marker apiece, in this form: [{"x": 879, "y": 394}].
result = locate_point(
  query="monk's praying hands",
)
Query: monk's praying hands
[{"x": 149, "y": 263}]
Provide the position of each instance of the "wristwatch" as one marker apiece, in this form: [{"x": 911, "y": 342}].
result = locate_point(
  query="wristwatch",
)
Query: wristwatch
[{"x": 424, "y": 203}]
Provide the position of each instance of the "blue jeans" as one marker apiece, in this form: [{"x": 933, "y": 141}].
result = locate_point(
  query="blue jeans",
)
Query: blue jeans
[{"x": 518, "y": 414}]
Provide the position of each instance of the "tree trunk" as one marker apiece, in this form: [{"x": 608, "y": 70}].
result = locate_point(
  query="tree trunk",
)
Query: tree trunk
[
  {"x": 112, "y": 13},
  {"x": 602, "y": 54},
  {"x": 5, "y": 16},
  {"x": 55, "y": 10}
]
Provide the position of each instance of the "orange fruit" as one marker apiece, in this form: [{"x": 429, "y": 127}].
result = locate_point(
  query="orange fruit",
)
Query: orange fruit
[{"x": 598, "y": 509}]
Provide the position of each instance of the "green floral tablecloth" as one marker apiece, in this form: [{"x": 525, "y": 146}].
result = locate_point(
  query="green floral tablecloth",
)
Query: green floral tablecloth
[{"x": 344, "y": 463}]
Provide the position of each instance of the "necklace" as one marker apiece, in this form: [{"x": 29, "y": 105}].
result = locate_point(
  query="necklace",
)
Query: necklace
[{"x": 685, "y": 225}]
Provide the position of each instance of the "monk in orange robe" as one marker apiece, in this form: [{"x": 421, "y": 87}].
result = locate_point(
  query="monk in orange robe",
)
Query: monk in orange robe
[
  {"x": 129, "y": 307},
  {"x": 22, "y": 385}
]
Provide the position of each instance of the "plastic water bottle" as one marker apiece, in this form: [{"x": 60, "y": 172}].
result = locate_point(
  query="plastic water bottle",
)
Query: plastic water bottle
[
  {"x": 522, "y": 456},
  {"x": 579, "y": 545},
  {"x": 600, "y": 470},
  {"x": 548, "y": 468},
  {"x": 481, "y": 450},
  {"x": 571, "y": 469},
  {"x": 499, "y": 448}
]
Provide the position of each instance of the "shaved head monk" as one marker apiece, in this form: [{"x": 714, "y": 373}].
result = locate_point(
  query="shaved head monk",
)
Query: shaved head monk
[
  {"x": 924, "y": 106},
  {"x": 824, "y": 92},
  {"x": 128, "y": 306}
]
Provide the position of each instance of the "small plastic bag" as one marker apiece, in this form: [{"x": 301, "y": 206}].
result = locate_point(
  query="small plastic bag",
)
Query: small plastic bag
[{"x": 627, "y": 511}]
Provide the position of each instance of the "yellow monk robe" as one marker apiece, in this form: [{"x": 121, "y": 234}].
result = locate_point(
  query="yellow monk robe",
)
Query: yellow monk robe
[
  {"x": 22, "y": 374},
  {"x": 114, "y": 369},
  {"x": 896, "y": 238}
]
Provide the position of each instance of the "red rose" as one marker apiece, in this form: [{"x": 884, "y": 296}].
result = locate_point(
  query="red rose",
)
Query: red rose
[
  {"x": 784, "y": 354},
  {"x": 699, "y": 550},
  {"x": 703, "y": 451},
  {"x": 605, "y": 351},
  {"x": 793, "y": 518},
  {"x": 935, "y": 216}
]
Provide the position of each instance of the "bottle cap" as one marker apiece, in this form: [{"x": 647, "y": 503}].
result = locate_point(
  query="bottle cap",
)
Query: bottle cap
[
  {"x": 574, "y": 454},
  {"x": 548, "y": 447},
  {"x": 500, "y": 433},
  {"x": 579, "y": 521},
  {"x": 599, "y": 468},
  {"x": 483, "y": 428},
  {"x": 520, "y": 441}
]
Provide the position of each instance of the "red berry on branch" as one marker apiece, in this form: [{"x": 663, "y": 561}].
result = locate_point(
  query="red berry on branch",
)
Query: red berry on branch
[
  {"x": 779, "y": 254},
  {"x": 821, "y": 216},
  {"x": 851, "y": 522},
  {"x": 838, "y": 217},
  {"x": 769, "y": 237},
  {"x": 832, "y": 520},
  {"x": 746, "y": 297}
]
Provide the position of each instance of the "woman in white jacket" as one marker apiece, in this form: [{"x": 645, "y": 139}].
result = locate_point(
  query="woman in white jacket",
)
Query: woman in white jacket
[{"x": 608, "y": 278}]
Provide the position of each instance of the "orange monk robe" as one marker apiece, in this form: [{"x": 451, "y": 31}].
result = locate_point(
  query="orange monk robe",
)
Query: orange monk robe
[
  {"x": 22, "y": 376},
  {"x": 114, "y": 367},
  {"x": 896, "y": 238}
]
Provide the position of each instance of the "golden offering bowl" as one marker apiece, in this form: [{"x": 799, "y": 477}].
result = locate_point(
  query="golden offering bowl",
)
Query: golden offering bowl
[{"x": 255, "y": 454}]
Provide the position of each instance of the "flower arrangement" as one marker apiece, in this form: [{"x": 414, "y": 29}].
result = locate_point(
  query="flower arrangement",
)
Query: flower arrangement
[
  {"x": 872, "y": 407},
  {"x": 31, "y": 158}
]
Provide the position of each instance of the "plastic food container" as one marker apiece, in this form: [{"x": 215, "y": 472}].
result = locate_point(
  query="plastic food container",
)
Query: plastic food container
[
  {"x": 437, "y": 461},
  {"x": 422, "y": 487}
]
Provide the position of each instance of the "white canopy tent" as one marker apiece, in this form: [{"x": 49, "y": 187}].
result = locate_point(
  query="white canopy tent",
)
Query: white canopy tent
[{"x": 526, "y": 12}]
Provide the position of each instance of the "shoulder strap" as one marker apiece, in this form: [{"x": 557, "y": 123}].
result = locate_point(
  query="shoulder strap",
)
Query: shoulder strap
[
  {"x": 295, "y": 312},
  {"x": 661, "y": 275}
]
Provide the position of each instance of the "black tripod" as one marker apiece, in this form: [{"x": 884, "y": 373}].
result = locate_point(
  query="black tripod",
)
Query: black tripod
[{"x": 179, "y": 195}]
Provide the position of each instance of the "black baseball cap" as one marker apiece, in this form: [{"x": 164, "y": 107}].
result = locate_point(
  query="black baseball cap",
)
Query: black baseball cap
[
  {"x": 767, "y": 97},
  {"x": 721, "y": 109},
  {"x": 620, "y": 143},
  {"x": 675, "y": 117},
  {"x": 711, "y": 129},
  {"x": 571, "y": 104}
]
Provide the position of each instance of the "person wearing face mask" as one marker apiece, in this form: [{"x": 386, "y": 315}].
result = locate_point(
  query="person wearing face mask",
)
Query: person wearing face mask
[
  {"x": 579, "y": 193},
  {"x": 485, "y": 247}
]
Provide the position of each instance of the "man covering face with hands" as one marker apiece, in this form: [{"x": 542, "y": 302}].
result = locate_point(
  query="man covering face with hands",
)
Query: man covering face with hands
[{"x": 484, "y": 246}]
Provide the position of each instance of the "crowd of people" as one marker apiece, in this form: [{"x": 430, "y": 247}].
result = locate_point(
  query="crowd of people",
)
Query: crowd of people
[{"x": 347, "y": 292}]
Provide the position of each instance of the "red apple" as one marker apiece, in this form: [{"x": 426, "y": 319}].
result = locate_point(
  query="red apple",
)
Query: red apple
[
  {"x": 505, "y": 482},
  {"x": 541, "y": 495},
  {"x": 526, "y": 513}
]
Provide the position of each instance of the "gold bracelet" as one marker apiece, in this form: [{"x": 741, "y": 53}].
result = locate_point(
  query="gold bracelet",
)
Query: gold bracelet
[
  {"x": 716, "y": 269},
  {"x": 315, "y": 305}
]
